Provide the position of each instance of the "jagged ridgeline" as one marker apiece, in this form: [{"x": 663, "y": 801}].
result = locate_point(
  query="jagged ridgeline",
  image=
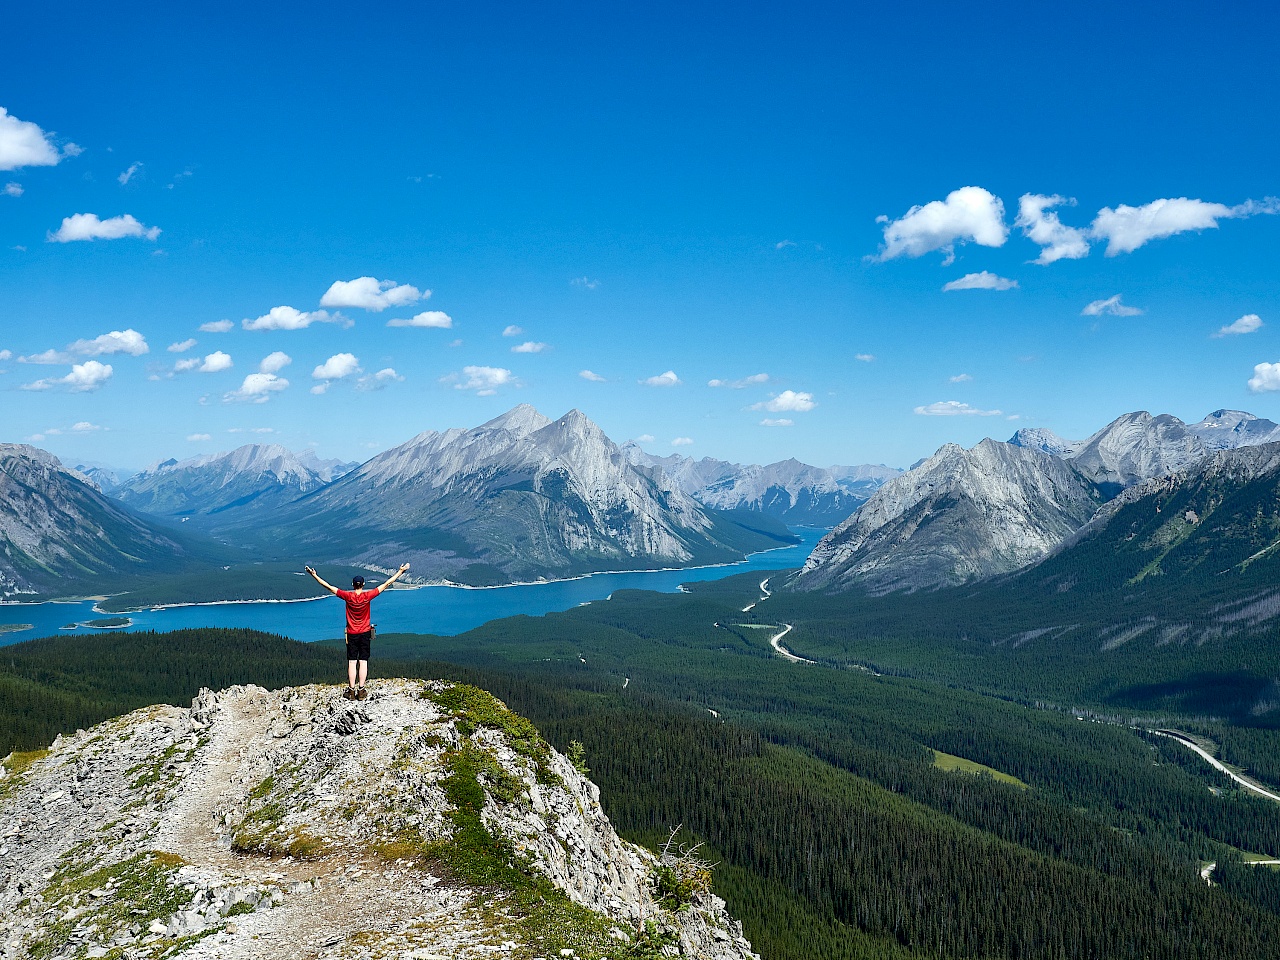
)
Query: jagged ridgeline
[{"x": 428, "y": 821}]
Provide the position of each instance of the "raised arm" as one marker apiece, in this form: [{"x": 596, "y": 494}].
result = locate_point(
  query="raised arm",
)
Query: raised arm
[
  {"x": 315, "y": 576},
  {"x": 404, "y": 568}
]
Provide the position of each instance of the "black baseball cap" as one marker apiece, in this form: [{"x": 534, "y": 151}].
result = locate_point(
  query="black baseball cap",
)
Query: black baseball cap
[{"x": 357, "y": 582}]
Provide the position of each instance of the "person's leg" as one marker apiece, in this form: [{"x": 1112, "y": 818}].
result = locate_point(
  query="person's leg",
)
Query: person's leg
[
  {"x": 351, "y": 672},
  {"x": 364, "y": 671}
]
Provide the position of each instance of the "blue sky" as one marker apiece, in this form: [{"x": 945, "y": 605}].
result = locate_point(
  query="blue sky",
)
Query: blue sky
[{"x": 666, "y": 189}]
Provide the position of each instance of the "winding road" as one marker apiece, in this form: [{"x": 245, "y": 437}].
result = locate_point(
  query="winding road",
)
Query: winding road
[{"x": 1214, "y": 762}]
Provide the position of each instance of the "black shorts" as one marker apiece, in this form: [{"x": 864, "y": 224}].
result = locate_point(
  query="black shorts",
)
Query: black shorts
[{"x": 358, "y": 645}]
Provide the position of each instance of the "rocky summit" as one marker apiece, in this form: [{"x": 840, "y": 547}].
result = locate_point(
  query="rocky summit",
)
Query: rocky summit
[{"x": 425, "y": 822}]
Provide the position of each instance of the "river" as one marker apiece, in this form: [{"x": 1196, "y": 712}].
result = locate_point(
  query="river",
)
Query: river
[{"x": 439, "y": 610}]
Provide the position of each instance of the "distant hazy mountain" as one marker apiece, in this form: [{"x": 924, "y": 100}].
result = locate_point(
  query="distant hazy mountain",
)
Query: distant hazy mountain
[
  {"x": 104, "y": 478},
  {"x": 521, "y": 497},
  {"x": 960, "y": 515},
  {"x": 1228, "y": 429},
  {"x": 790, "y": 491},
  {"x": 59, "y": 535},
  {"x": 252, "y": 478}
]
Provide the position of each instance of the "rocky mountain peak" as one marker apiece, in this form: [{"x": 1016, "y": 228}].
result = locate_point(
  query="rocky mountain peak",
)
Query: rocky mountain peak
[
  {"x": 294, "y": 823},
  {"x": 521, "y": 419},
  {"x": 1044, "y": 439}
]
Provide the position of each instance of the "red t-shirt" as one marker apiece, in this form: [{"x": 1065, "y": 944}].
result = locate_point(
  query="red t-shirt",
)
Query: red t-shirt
[{"x": 358, "y": 608}]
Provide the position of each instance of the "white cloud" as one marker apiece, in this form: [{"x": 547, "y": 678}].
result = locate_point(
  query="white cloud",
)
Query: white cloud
[
  {"x": 23, "y": 144},
  {"x": 529, "y": 346},
  {"x": 783, "y": 422},
  {"x": 87, "y": 226},
  {"x": 954, "y": 408},
  {"x": 645, "y": 438},
  {"x": 668, "y": 379},
  {"x": 287, "y": 318},
  {"x": 320, "y": 388},
  {"x": 970, "y": 213},
  {"x": 12, "y": 190},
  {"x": 1266, "y": 377},
  {"x": 379, "y": 380},
  {"x": 787, "y": 401},
  {"x": 585, "y": 282},
  {"x": 754, "y": 380},
  {"x": 251, "y": 430},
  {"x": 84, "y": 426},
  {"x": 216, "y": 326},
  {"x": 981, "y": 281},
  {"x": 117, "y": 341},
  {"x": 198, "y": 437},
  {"x": 960, "y": 378},
  {"x": 337, "y": 367},
  {"x": 511, "y": 330},
  {"x": 783, "y": 244},
  {"x": 682, "y": 441},
  {"x": 6, "y": 355},
  {"x": 865, "y": 357},
  {"x": 128, "y": 175},
  {"x": 485, "y": 381},
  {"x": 1111, "y": 305},
  {"x": 1127, "y": 228},
  {"x": 593, "y": 377},
  {"x": 1246, "y": 324},
  {"x": 274, "y": 362},
  {"x": 215, "y": 362},
  {"x": 428, "y": 318},
  {"x": 1041, "y": 225},
  {"x": 83, "y": 378},
  {"x": 257, "y": 388},
  {"x": 182, "y": 346},
  {"x": 368, "y": 293}
]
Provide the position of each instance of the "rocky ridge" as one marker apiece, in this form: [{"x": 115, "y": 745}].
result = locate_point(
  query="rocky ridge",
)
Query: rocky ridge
[{"x": 426, "y": 822}]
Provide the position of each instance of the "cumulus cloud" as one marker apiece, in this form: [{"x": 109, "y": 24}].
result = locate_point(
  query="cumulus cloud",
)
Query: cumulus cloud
[
  {"x": 1127, "y": 228},
  {"x": 593, "y": 377},
  {"x": 379, "y": 380},
  {"x": 216, "y": 326},
  {"x": 83, "y": 378},
  {"x": 23, "y": 144},
  {"x": 511, "y": 330},
  {"x": 529, "y": 346},
  {"x": 960, "y": 378},
  {"x": 287, "y": 318},
  {"x": 668, "y": 379},
  {"x": 954, "y": 408},
  {"x": 12, "y": 190},
  {"x": 485, "y": 381},
  {"x": 585, "y": 282},
  {"x": 1112, "y": 306},
  {"x": 368, "y": 293},
  {"x": 182, "y": 346},
  {"x": 198, "y": 437},
  {"x": 645, "y": 438},
  {"x": 781, "y": 422},
  {"x": 428, "y": 318},
  {"x": 214, "y": 362},
  {"x": 981, "y": 281},
  {"x": 128, "y": 341},
  {"x": 787, "y": 401},
  {"x": 754, "y": 380},
  {"x": 87, "y": 226},
  {"x": 6, "y": 355},
  {"x": 274, "y": 362},
  {"x": 865, "y": 357},
  {"x": 128, "y": 175},
  {"x": 970, "y": 213},
  {"x": 1266, "y": 377},
  {"x": 682, "y": 441},
  {"x": 783, "y": 244},
  {"x": 257, "y": 388},
  {"x": 337, "y": 367},
  {"x": 1246, "y": 324},
  {"x": 1040, "y": 224}
]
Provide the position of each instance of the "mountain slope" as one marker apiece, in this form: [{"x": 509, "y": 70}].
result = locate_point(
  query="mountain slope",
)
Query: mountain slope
[
  {"x": 59, "y": 535},
  {"x": 518, "y": 498},
  {"x": 252, "y": 478},
  {"x": 960, "y": 515}
]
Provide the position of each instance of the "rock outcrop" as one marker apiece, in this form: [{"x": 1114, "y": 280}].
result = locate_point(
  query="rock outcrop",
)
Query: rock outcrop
[{"x": 425, "y": 822}]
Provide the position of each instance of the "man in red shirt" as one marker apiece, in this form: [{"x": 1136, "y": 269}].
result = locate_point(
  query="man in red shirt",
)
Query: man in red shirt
[{"x": 359, "y": 627}]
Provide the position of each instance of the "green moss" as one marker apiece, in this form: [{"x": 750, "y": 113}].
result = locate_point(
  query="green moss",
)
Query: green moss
[{"x": 15, "y": 765}]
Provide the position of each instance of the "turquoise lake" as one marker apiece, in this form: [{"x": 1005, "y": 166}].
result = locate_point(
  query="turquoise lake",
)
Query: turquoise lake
[{"x": 439, "y": 610}]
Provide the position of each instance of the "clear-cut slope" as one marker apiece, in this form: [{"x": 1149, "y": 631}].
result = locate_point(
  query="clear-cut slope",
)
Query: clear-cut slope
[
  {"x": 248, "y": 480},
  {"x": 960, "y": 515},
  {"x": 425, "y": 822},
  {"x": 59, "y": 535},
  {"x": 789, "y": 491},
  {"x": 521, "y": 497}
]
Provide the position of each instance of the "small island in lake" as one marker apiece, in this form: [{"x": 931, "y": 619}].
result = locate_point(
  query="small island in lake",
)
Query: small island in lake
[
  {"x": 108, "y": 623},
  {"x": 14, "y": 627}
]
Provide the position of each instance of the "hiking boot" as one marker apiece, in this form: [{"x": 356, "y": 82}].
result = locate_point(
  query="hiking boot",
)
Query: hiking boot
[
  {"x": 349, "y": 693},
  {"x": 362, "y": 694}
]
